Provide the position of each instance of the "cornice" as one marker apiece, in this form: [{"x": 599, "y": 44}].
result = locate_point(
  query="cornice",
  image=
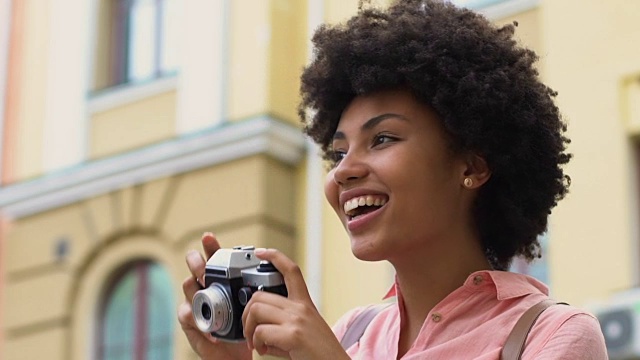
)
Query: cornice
[{"x": 228, "y": 142}]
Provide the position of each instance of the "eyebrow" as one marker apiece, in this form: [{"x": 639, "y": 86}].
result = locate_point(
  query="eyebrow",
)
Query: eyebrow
[{"x": 370, "y": 124}]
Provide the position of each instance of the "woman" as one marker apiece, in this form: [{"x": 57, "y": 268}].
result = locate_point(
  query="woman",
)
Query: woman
[{"x": 446, "y": 156}]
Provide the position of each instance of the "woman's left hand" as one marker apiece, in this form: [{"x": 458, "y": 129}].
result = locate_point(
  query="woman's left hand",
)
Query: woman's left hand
[{"x": 289, "y": 327}]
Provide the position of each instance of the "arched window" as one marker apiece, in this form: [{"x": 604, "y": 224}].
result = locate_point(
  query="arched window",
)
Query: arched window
[{"x": 137, "y": 317}]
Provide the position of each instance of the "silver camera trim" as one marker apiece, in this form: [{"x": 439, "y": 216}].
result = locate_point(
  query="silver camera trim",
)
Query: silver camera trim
[
  {"x": 215, "y": 297},
  {"x": 233, "y": 261}
]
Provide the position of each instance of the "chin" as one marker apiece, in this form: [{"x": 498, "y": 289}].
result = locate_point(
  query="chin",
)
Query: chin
[{"x": 367, "y": 252}]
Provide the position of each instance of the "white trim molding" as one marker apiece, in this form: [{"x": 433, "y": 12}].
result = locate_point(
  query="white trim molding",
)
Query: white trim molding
[
  {"x": 66, "y": 64},
  {"x": 228, "y": 142},
  {"x": 507, "y": 8},
  {"x": 129, "y": 93}
]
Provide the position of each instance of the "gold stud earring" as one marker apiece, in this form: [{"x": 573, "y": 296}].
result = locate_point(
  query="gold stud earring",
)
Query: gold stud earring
[{"x": 468, "y": 182}]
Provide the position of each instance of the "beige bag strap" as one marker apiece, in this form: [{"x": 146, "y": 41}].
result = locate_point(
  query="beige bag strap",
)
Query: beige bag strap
[
  {"x": 512, "y": 349},
  {"x": 356, "y": 329},
  {"x": 514, "y": 346}
]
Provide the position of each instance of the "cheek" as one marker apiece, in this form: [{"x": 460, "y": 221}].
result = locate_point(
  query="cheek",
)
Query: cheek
[{"x": 331, "y": 191}]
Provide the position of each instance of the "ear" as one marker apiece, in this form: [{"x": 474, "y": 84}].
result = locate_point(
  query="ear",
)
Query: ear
[{"x": 477, "y": 170}]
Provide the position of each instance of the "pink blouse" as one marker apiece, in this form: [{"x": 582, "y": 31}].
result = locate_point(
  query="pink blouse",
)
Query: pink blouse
[{"x": 474, "y": 321}]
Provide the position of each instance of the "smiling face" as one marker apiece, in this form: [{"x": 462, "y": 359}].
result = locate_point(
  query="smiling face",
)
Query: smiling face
[{"x": 396, "y": 184}]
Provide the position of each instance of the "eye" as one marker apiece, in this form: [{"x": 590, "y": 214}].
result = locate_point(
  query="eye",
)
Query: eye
[
  {"x": 380, "y": 139},
  {"x": 336, "y": 156}
]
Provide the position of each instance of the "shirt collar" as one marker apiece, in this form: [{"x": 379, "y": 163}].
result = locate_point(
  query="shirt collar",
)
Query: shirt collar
[
  {"x": 511, "y": 285},
  {"x": 507, "y": 285},
  {"x": 393, "y": 291}
]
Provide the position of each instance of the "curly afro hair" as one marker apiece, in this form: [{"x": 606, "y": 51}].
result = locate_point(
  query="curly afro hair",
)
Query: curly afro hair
[{"x": 483, "y": 86}]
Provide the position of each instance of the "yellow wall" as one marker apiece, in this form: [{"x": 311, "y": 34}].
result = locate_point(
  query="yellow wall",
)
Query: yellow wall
[
  {"x": 267, "y": 51},
  {"x": 528, "y": 31},
  {"x": 337, "y": 11},
  {"x": 588, "y": 55},
  {"x": 591, "y": 60},
  {"x": 249, "y": 41},
  {"x": 54, "y": 301},
  {"x": 133, "y": 125},
  {"x": 287, "y": 57}
]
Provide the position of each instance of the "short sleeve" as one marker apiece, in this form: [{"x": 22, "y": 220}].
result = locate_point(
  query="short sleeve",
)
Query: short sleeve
[{"x": 578, "y": 337}]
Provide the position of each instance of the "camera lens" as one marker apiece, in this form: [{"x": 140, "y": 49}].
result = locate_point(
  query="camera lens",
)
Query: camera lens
[
  {"x": 212, "y": 310},
  {"x": 206, "y": 311}
]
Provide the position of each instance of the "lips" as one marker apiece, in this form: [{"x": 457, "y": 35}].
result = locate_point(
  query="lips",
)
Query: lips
[
  {"x": 360, "y": 222},
  {"x": 361, "y": 206}
]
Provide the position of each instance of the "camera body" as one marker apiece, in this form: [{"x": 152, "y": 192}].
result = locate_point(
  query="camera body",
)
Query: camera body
[{"x": 231, "y": 277}]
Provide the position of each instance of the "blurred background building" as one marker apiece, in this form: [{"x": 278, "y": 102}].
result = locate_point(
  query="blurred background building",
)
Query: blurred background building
[{"x": 130, "y": 127}]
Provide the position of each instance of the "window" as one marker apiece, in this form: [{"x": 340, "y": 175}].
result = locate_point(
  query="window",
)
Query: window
[
  {"x": 143, "y": 42},
  {"x": 136, "y": 321}
]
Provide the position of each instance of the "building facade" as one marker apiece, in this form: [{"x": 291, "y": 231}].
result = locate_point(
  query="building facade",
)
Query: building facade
[{"x": 130, "y": 127}]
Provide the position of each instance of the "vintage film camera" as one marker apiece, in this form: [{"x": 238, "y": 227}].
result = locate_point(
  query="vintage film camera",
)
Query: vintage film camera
[{"x": 231, "y": 277}]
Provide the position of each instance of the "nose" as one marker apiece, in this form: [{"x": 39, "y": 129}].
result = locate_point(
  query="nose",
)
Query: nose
[{"x": 350, "y": 169}]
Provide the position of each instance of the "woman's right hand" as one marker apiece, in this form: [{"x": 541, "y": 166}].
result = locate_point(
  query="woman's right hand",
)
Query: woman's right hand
[{"x": 204, "y": 344}]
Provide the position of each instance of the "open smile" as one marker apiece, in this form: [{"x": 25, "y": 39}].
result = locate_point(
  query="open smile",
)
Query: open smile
[
  {"x": 362, "y": 210},
  {"x": 362, "y": 205}
]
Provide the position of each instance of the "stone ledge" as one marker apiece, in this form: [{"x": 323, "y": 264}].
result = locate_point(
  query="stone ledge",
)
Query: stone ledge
[{"x": 229, "y": 142}]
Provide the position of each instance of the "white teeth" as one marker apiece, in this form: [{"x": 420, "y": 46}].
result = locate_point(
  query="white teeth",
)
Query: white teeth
[
  {"x": 350, "y": 205},
  {"x": 369, "y": 200}
]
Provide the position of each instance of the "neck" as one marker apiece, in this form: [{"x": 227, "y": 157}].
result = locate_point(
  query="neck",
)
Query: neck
[
  {"x": 427, "y": 280},
  {"x": 426, "y": 277}
]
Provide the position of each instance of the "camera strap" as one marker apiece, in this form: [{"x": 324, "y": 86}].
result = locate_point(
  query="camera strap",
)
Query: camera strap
[{"x": 513, "y": 347}]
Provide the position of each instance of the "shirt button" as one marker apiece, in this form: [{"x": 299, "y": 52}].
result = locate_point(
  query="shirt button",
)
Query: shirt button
[
  {"x": 436, "y": 317},
  {"x": 477, "y": 280}
]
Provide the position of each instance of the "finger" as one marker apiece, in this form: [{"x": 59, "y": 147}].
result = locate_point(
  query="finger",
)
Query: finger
[
  {"x": 272, "y": 337},
  {"x": 296, "y": 287},
  {"x": 189, "y": 287},
  {"x": 272, "y": 299},
  {"x": 196, "y": 265},
  {"x": 185, "y": 316},
  {"x": 274, "y": 351},
  {"x": 257, "y": 313},
  {"x": 210, "y": 244}
]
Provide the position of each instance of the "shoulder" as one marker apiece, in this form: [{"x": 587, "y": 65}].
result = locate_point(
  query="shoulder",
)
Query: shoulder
[
  {"x": 341, "y": 326},
  {"x": 565, "y": 332}
]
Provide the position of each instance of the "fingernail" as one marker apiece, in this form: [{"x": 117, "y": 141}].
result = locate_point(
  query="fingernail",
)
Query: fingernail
[
  {"x": 207, "y": 234},
  {"x": 259, "y": 251}
]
